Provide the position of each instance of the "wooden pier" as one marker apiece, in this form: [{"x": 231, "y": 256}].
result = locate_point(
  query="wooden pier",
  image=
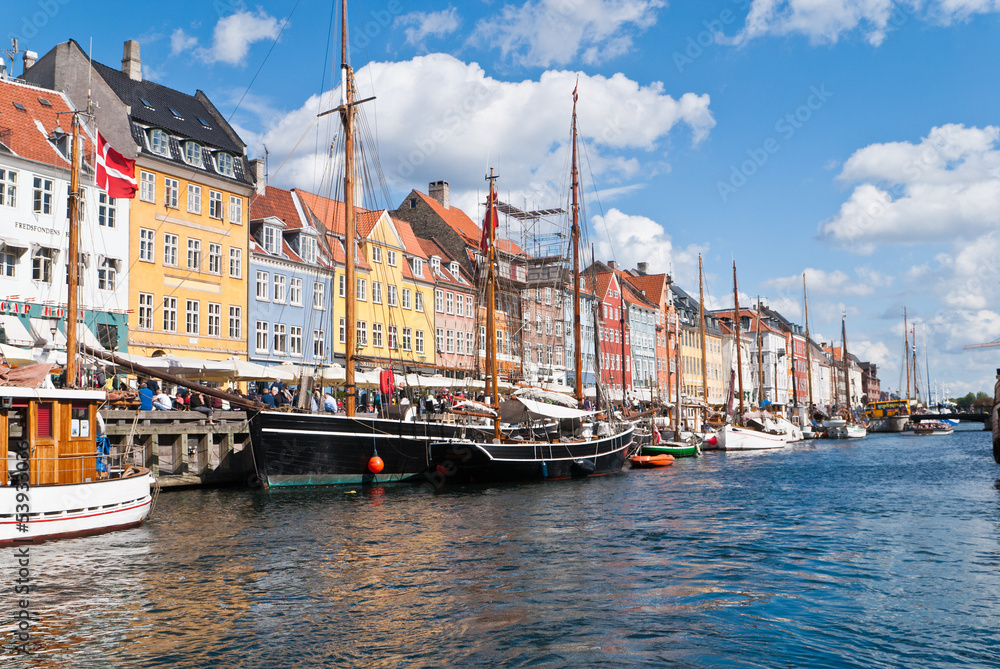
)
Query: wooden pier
[{"x": 181, "y": 448}]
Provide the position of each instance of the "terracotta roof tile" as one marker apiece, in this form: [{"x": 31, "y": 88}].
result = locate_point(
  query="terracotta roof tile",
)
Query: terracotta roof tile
[
  {"x": 19, "y": 128},
  {"x": 276, "y": 202}
]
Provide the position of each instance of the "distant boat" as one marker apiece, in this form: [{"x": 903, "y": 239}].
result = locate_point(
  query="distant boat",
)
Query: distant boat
[
  {"x": 733, "y": 438},
  {"x": 848, "y": 431},
  {"x": 932, "y": 428},
  {"x": 887, "y": 415}
]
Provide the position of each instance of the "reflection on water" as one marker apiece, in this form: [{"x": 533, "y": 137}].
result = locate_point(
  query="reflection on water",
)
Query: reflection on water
[{"x": 884, "y": 552}]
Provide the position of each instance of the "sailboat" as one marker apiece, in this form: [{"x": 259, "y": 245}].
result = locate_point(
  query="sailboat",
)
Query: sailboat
[
  {"x": 57, "y": 481},
  {"x": 758, "y": 432},
  {"x": 845, "y": 427},
  {"x": 291, "y": 449},
  {"x": 585, "y": 445}
]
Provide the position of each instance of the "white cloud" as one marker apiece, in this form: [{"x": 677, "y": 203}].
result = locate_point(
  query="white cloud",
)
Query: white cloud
[
  {"x": 543, "y": 33},
  {"x": 233, "y": 36},
  {"x": 944, "y": 188},
  {"x": 181, "y": 42},
  {"x": 826, "y": 21},
  {"x": 820, "y": 283},
  {"x": 470, "y": 122},
  {"x": 428, "y": 24}
]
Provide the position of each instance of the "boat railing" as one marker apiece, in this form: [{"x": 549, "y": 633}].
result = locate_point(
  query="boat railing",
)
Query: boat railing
[{"x": 102, "y": 461}]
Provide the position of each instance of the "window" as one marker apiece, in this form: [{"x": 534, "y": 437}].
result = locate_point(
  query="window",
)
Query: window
[
  {"x": 215, "y": 258},
  {"x": 42, "y": 192},
  {"x": 105, "y": 210},
  {"x": 391, "y": 257},
  {"x": 147, "y": 187},
  {"x": 295, "y": 291},
  {"x": 170, "y": 249},
  {"x": 295, "y": 340},
  {"x": 147, "y": 244},
  {"x": 360, "y": 294},
  {"x": 193, "y": 314},
  {"x": 319, "y": 344},
  {"x": 470, "y": 312},
  {"x": 376, "y": 292},
  {"x": 280, "y": 340},
  {"x": 453, "y": 268},
  {"x": 439, "y": 340},
  {"x": 107, "y": 273},
  {"x": 343, "y": 331},
  {"x": 309, "y": 250},
  {"x": 482, "y": 337},
  {"x": 392, "y": 296},
  {"x": 192, "y": 153},
  {"x": 420, "y": 341},
  {"x": 262, "y": 286},
  {"x": 342, "y": 285},
  {"x": 194, "y": 199},
  {"x": 236, "y": 210},
  {"x": 8, "y": 264},
  {"x": 8, "y": 188},
  {"x": 548, "y": 296},
  {"x": 194, "y": 254},
  {"x": 449, "y": 300},
  {"x": 235, "y": 322},
  {"x": 470, "y": 343},
  {"x": 261, "y": 340},
  {"x": 450, "y": 341},
  {"x": 158, "y": 142},
  {"x": 439, "y": 301},
  {"x": 224, "y": 163},
  {"x": 171, "y": 187},
  {"x": 215, "y": 204},
  {"x": 214, "y": 319},
  {"x": 170, "y": 314},
  {"x": 548, "y": 325},
  {"x": 407, "y": 337},
  {"x": 145, "y": 311},
  {"x": 280, "y": 290},
  {"x": 377, "y": 334},
  {"x": 361, "y": 334},
  {"x": 538, "y": 324},
  {"x": 41, "y": 265},
  {"x": 436, "y": 265},
  {"x": 318, "y": 295},
  {"x": 459, "y": 305},
  {"x": 235, "y": 263},
  {"x": 377, "y": 254},
  {"x": 393, "y": 338},
  {"x": 418, "y": 267}
]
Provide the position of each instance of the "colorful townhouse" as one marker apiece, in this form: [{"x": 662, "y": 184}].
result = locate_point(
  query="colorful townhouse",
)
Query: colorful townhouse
[
  {"x": 187, "y": 226},
  {"x": 456, "y": 332},
  {"x": 36, "y": 141}
]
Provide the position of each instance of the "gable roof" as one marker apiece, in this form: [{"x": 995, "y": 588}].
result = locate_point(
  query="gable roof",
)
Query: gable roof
[
  {"x": 276, "y": 202},
  {"x": 24, "y": 132}
]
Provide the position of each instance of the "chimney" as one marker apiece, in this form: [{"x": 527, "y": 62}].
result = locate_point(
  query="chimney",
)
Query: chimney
[
  {"x": 131, "y": 65},
  {"x": 612, "y": 264},
  {"x": 439, "y": 191},
  {"x": 259, "y": 170},
  {"x": 641, "y": 267},
  {"x": 29, "y": 59}
]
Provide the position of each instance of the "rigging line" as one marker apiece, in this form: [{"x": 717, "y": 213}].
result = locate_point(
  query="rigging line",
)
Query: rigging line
[{"x": 284, "y": 24}]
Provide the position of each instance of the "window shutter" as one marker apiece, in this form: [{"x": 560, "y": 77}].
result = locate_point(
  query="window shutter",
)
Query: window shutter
[{"x": 44, "y": 427}]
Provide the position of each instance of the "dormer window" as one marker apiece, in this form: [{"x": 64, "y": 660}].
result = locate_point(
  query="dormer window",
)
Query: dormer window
[
  {"x": 192, "y": 154},
  {"x": 308, "y": 248},
  {"x": 224, "y": 163},
  {"x": 418, "y": 267},
  {"x": 436, "y": 265},
  {"x": 453, "y": 268},
  {"x": 158, "y": 142},
  {"x": 272, "y": 239}
]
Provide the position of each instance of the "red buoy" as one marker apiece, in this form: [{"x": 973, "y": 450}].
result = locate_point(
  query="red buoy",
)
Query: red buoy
[
  {"x": 375, "y": 464},
  {"x": 712, "y": 441}
]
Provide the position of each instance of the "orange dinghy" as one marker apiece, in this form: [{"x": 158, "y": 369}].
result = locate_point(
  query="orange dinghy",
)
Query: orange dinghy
[{"x": 662, "y": 460}]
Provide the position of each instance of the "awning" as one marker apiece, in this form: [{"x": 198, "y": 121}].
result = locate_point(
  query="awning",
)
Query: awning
[
  {"x": 17, "y": 334},
  {"x": 41, "y": 330},
  {"x": 512, "y": 413}
]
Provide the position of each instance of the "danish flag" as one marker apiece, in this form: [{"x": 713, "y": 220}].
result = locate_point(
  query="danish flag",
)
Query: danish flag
[{"x": 115, "y": 172}]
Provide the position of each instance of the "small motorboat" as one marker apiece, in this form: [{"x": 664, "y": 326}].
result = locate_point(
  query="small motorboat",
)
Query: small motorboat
[
  {"x": 648, "y": 461},
  {"x": 674, "y": 448}
]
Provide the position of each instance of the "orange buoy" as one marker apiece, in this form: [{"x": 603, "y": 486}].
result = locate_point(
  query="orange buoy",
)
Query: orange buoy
[{"x": 375, "y": 464}]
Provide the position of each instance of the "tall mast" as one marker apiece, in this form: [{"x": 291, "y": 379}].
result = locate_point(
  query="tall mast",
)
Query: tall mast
[
  {"x": 680, "y": 370},
  {"x": 739, "y": 354},
  {"x": 347, "y": 119},
  {"x": 621, "y": 326},
  {"x": 492, "y": 370},
  {"x": 701, "y": 318},
  {"x": 843, "y": 355},
  {"x": 575, "y": 209},
  {"x": 73, "y": 261},
  {"x": 597, "y": 329},
  {"x": 760, "y": 364},
  {"x": 906, "y": 354},
  {"x": 809, "y": 368}
]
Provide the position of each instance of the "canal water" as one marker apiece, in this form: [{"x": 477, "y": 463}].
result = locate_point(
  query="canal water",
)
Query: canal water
[{"x": 882, "y": 552}]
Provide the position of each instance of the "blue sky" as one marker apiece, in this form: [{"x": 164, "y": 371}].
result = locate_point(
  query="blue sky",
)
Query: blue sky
[{"x": 855, "y": 141}]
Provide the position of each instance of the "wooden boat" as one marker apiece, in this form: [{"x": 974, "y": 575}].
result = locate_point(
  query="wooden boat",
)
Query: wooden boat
[
  {"x": 733, "y": 438},
  {"x": 673, "y": 448},
  {"x": 57, "y": 483},
  {"x": 649, "y": 461}
]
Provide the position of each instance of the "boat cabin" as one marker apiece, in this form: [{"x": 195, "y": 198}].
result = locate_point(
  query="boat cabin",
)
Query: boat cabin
[{"x": 54, "y": 432}]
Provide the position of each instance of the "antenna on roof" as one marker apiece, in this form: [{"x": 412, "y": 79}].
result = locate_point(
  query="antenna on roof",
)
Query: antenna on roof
[{"x": 266, "y": 178}]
